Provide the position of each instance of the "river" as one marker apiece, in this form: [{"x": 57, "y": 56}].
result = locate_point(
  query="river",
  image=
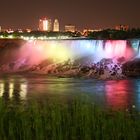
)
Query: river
[{"x": 114, "y": 94}]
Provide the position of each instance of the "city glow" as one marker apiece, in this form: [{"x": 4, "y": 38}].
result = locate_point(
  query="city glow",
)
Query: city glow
[{"x": 10, "y": 36}]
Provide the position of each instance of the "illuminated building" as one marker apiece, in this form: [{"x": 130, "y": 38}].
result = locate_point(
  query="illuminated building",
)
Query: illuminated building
[
  {"x": 56, "y": 25},
  {"x": 122, "y": 27},
  {"x": 70, "y": 28},
  {"x": 20, "y": 30},
  {"x": 91, "y": 30},
  {"x": 45, "y": 24},
  {"x": 9, "y": 30},
  {"x": 86, "y": 31},
  {"x": 28, "y": 30}
]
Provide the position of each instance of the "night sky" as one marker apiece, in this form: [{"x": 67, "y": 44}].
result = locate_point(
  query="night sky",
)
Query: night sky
[{"x": 82, "y": 13}]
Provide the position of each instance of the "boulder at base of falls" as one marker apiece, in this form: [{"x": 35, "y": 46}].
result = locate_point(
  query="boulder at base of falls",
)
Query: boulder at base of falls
[{"x": 132, "y": 68}]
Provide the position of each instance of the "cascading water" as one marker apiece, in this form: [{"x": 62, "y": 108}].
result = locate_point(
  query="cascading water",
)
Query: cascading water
[
  {"x": 135, "y": 44},
  {"x": 94, "y": 50},
  {"x": 51, "y": 54}
]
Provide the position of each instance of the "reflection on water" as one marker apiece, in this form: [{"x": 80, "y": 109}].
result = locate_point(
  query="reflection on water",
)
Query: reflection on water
[
  {"x": 1, "y": 89},
  {"x": 11, "y": 89},
  {"x": 136, "y": 86},
  {"x": 120, "y": 94}
]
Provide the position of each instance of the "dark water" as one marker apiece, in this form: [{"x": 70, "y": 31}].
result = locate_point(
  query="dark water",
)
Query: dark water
[{"x": 116, "y": 94}]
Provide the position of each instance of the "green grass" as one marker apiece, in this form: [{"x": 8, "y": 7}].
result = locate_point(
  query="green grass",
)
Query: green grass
[{"x": 78, "y": 119}]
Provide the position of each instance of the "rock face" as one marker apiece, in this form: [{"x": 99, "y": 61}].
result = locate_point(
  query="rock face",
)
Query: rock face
[
  {"x": 10, "y": 50},
  {"x": 105, "y": 69},
  {"x": 132, "y": 68}
]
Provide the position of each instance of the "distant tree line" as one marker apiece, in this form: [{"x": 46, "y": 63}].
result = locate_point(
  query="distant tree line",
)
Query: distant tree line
[
  {"x": 115, "y": 34},
  {"x": 103, "y": 34},
  {"x": 37, "y": 34}
]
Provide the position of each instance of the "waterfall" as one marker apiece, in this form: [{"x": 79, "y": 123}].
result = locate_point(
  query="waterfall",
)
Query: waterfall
[
  {"x": 94, "y": 50},
  {"x": 33, "y": 52},
  {"x": 135, "y": 44}
]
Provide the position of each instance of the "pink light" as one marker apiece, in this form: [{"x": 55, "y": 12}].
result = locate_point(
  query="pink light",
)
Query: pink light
[{"x": 117, "y": 95}]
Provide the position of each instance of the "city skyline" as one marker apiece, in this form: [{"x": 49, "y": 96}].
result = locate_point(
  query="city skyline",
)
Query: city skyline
[{"x": 83, "y": 14}]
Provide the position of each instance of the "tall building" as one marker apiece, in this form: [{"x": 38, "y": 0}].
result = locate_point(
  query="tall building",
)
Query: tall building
[
  {"x": 70, "y": 28},
  {"x": 45, "y": 24},
  {"x": 56, "y": 25}
]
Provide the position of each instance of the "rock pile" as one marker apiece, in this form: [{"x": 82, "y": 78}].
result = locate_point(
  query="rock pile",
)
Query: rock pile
[{"x": 105, "y": 69}]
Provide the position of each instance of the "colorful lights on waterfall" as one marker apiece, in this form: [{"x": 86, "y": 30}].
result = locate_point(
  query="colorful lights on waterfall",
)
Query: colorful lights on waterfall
[
  {"x": 92, "y": 50},
  {"x": 81, "y": 52}
]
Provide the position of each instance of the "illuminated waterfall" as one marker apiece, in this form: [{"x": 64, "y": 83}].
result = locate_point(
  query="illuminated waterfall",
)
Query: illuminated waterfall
[
  {"x": 136, "y": 46},
  {"x": 94, "y": 50},
  {"x": 33, "y": 52}
]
